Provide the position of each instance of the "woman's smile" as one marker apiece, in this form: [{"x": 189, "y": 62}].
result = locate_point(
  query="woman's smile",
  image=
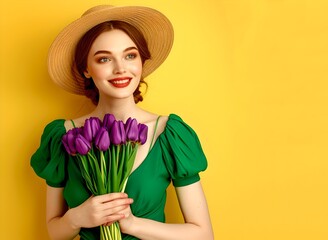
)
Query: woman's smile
[{"x": 120, "y": 82}]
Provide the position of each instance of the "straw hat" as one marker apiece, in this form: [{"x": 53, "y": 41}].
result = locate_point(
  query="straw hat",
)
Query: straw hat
[{"x": 155, "y": 27}]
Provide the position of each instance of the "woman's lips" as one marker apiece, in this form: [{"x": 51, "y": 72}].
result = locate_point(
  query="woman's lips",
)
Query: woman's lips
[{"x": 120, "y": 82}]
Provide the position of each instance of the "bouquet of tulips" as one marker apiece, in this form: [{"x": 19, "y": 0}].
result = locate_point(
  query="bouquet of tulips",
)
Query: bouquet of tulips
[{"x": 106, "y": 151}]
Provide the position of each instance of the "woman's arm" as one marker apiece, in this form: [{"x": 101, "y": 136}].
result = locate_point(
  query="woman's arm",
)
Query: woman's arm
[
  {"x": 65, "y": 224},
  {"x": 59, "y": 219},
  {"x": 195, "y": 211}
]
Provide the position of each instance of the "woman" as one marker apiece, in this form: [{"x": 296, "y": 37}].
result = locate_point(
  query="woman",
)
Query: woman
[{"x": 105, "y": 55}]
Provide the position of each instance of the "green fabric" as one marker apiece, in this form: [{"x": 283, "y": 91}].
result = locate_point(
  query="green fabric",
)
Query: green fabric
[{"x": 176, "y": 156}]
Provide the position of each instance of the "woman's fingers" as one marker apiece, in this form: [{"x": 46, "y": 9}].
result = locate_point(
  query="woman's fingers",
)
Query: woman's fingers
[
  {"x": 111, "y": 206},
  {"x": 122, "y": 213},
  {"x": 103, "y": 209},
  {"x": 112, "y": 202},
  {"x": 111, "y": 196},
  {"x": 117, "y": 203}
]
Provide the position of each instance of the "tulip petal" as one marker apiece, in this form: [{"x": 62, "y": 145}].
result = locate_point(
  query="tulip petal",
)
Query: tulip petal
[
  {"x": 122, "y": 132},
  {"x": 108, "y": 121},
  {"x": 132, "y": 131},
  {"x": 83, "y": 146},
  {"x": 102, "y": 140},
  {"x": 115, "y": 134},
  {"x": 91, "y": 128},
  {"x": 143, "y": 133}
]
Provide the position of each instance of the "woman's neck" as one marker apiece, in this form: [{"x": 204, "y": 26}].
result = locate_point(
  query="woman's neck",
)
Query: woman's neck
[{"x": 122, "y": 109}]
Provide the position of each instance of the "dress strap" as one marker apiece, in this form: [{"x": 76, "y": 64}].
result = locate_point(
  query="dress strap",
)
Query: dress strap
[
  {"x": 73, "y": 122},
  {"x": 152, "y": 140}
]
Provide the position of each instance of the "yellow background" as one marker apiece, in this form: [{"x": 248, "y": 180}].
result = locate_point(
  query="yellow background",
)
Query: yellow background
[{"x": 250, "y": 76}]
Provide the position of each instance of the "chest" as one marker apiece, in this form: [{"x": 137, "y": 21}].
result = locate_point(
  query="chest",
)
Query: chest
[{"x": 150, "y": 176}]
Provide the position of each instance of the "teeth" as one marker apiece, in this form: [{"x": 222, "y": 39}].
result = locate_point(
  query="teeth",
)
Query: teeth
[{"x": 120, "y": 81}]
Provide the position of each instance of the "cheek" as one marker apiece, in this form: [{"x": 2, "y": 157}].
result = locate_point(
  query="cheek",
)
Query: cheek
[
  {"x": 99, "y": 71},
  {"x": 136, "y": 68}
]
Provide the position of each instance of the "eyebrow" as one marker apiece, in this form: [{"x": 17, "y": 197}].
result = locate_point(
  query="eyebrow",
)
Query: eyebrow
[{"x": 109, "y": 52}]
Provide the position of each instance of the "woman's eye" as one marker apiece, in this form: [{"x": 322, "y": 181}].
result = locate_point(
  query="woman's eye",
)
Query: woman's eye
[
  {"x": 131, "y": 56},
  {"x": 103, "y": 60}
]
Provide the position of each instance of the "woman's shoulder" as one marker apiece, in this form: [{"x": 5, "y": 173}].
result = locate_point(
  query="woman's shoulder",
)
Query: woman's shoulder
[
  {"x": 53, "y": 130},
  {"x": 164, "y": 122},
  {"x": 172, "y": 124},
  {"x": 182, "y": 151},
  {"x": 162, "y": 119},
  {"x": 75, "y": 122},
  {"x": 174, "y": 121},
  {"x": 55, "y": 125},
  {"x": 48, "y": 160}
]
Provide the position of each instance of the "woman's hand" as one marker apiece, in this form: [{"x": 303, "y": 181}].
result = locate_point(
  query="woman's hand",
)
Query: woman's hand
[
  {"x": 102, "y": 210},
  {"x": 126, "y": 223}
]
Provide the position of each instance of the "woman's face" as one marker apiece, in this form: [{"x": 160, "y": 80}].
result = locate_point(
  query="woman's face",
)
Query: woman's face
[{"x": 114, "y": 64}]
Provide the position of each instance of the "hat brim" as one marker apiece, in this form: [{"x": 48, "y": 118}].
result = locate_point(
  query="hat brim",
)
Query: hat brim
[{"x": 154, "y": 26}]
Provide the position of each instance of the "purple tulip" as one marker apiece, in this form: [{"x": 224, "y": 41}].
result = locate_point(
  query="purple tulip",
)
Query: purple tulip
[
  {"x": 131, "y": 129},
  {"x": 117, "y": 134},
  {"x": 143, "y": 132},
  {"x": 122, "y": 130},
  {"x": 68, "y": 140},
  {"x": 108, "y": 121},
  {"x": 102, "y": 141},
  {"x": 83, "y": 146},
  {"x": 91, "y": 128},
  {"x": 127, "y": 123}
]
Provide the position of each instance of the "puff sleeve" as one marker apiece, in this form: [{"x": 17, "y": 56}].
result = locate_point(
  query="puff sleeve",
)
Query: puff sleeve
[
  {"x": 49, "y": 160},
  {"x": 182, "y": 152}
]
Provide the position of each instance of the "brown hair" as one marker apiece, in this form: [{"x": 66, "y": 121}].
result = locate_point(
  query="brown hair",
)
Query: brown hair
[{"x": 84, "y": 45}]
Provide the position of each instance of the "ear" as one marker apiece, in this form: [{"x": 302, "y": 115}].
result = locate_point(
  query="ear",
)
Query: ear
[{"x": 86, "y": 74}]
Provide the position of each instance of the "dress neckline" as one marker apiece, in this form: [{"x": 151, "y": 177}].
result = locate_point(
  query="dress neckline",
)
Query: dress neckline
[
  {"x": 154, "y": 133},
  {"x": 156, "y": 142}
]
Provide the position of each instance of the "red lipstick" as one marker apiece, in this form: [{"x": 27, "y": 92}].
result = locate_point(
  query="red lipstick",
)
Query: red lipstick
[{"x": 120, "y": 82}]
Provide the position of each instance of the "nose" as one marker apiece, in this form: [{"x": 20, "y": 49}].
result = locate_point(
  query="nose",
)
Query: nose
[{"x": 119, "y": 67}]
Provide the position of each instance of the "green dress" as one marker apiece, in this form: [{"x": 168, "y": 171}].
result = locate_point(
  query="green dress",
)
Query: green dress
[{"x": 176, "y": 156}]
